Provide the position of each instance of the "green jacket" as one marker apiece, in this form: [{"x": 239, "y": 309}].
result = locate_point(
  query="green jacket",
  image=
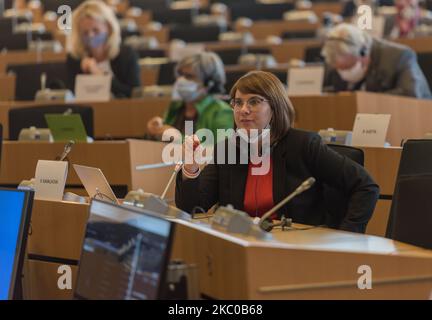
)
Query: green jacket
[{"x": 213, "y": 114}]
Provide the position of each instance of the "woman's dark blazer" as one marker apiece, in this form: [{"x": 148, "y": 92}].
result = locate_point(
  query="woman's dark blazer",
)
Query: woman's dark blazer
[
  {"x": 125, "y": 68},
  {"x": 296, "y": 157}
]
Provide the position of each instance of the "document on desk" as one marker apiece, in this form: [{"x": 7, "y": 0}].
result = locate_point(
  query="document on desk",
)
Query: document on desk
[
  {"x": 305, "y": 80},
  {"x": 370, "y": 130},
  {"x": 94, "y": 88},
  {"x": 50, "y": 179}
]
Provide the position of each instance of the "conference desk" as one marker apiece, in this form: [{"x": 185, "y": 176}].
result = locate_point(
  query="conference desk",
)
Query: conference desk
[
  {"x": 409, "y": 116},
  {"x": 115, "y": 119},
  {"x": 116, "y": 159},
  {"x": 315, "y": 263}
]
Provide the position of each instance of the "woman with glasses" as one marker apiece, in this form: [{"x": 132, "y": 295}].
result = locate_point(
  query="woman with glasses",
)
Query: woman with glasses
[
  {"x": 259, "y": 101},
  {"x": 199, "y": 79}
]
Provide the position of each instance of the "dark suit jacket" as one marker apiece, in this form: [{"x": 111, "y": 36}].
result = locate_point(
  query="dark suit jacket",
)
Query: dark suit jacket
[
  {"x": 394, "y": 70},
  {"x": 126, "y": 72},
  {"x": 298, "y": 156}
]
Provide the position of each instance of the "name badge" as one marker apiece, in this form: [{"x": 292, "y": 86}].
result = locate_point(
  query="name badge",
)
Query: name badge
[
  {"x": 305, "y": 80},
  {"x": 370, "y": 130},
  {"x": 50, "y": 179},
  {"x": 94, "y": 88}
]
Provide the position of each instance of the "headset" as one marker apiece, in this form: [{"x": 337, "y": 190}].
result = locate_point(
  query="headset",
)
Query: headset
[
  {"x": 362, "y": 51},
  {"x": 208, "y": 81}
]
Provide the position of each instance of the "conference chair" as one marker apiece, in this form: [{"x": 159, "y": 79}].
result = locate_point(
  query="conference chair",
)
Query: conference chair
[
  {"x": 28, "y": 78},
  {"x": 166, "y": 74},
  {"x": 25, "y": 117},
  {"x": 260, "y": 11},
  {"x": 10, "y": 42},
  {"x": 150, "y": 4},
  {"x": 412, "y": 214},
  {"x": 53, "y": 5},
  {"x": 337, "y": 208},
  {"x": 415, "y": 168},
  {"x": 301, "y": 34},
  {"x": 313, "y": 55},
  {"x": 192, "y": 33},
  {"x": 151, "y": 53},
  {"x": 231, "y": 56}
]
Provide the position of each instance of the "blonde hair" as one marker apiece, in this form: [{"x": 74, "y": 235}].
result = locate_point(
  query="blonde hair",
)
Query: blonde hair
[
  {"x": 346, "y": 39},
  {"x": 97, "y": 10}
]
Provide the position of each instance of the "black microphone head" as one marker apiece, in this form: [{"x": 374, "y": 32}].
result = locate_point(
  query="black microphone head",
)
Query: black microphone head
[{"x": 266, "y": 225}]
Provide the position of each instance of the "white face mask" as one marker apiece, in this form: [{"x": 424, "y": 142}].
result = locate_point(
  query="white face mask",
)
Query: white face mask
[
  {"x": 353, "y": 75},
  {"x": 185, "y": 89},
  {"x": 408, "y": 13}
]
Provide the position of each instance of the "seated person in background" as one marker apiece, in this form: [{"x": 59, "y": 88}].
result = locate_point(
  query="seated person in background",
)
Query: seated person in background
[
  {"x": 95, "y": 47},
  {"x": 356, "y": 61},
  {"x": 260, "y": 101},
  {"x": 199, "y": 78},
  {"x": 409, "y": 21}
]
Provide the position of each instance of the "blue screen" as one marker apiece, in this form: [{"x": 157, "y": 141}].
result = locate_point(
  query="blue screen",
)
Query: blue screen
[{"x": 11, "y": 207}]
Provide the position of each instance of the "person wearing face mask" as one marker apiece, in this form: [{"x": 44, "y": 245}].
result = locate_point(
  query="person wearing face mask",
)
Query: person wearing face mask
[
  {"x": 259, "y": 101},
  {"x": 199, "y": 78},
  {"x": 94, "y": 47},
  {"x": 357, "y": 61}
]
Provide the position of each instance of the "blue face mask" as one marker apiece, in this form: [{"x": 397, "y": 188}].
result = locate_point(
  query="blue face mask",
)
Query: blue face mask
[{"x": 95, "y": 41}]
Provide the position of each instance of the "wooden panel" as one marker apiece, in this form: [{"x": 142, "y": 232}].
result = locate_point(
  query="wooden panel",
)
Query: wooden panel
[
  {"x": 19, "y": 160},
  {"x": 378, "y": 224},
  {"x": 7, "y": 87},
  {"x": 383, "y": 166},
  {"x": 409, "y": 116},
  {"x": 40, "y": 281},
  {"x": 57, "y": 229},
  {"x": 262, "y": 29},
  {"x": 122, "y": 118},
  {"x": 328, "y": 111},
  {"x": 23, "y": 57}
]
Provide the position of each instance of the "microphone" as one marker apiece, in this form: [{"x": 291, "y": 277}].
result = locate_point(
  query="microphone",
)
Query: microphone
[
  {"x": 300, "y": 189},
  {"x": 67, "y": 150}
]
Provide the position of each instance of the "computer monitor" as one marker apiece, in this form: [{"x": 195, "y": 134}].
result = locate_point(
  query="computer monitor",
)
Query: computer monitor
[
  {"x": 125, "y": 254},
  {"x": 15, "y": 212}
]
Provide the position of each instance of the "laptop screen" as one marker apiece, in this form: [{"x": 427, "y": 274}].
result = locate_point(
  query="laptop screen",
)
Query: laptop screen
[
  {"x": 125, "y": 254},
  {"x": 15, "y": 210}
]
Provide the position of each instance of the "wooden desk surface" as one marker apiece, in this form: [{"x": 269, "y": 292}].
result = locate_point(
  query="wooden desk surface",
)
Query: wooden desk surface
[{"x": 310, "y": 264}]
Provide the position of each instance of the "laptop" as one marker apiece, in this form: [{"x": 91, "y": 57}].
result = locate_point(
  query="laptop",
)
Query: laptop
[
  {"x": 95, "y": 183},
  {"x": 125, "y": 254},
  {"x": 15, "y": 212},
  {"x": 66, "y": 127}
]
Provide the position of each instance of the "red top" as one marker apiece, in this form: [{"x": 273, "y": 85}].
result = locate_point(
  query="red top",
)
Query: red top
[{"x": 258, "y": 197}]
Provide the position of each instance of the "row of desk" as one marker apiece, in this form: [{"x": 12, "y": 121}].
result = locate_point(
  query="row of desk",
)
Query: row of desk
[
  {"x": 298, "y": 264},
  {"x": 128, "y": 118}
]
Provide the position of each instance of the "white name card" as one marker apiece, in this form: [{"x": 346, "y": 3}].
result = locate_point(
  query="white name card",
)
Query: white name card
[
  {"x": 370, "y": 130},
  {"x": 305, "y": 80},
  {"x": 178, "y": 53},
  {"x": 94, "y": 88},
  {"x": 50, "y": 179}
]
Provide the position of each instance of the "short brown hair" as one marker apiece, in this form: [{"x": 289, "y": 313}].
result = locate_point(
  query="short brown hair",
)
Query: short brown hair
[{"x": 270, "y": 87}]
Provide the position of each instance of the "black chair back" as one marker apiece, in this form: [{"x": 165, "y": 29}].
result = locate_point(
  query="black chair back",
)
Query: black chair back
[
  {"x": 28, "y": 78},
  {"x": 166, "y": 74},
  {"x": 412, "y": 216},
  {"x": 416, "y": 161},
  {"x": 191, "y": 33},
  {"x": 20, "y": 118},
  {"x": 425, "y": 63}
]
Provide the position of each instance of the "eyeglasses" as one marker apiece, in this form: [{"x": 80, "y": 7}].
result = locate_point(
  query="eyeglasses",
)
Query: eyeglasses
[{"x": 252, "y": 104}]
